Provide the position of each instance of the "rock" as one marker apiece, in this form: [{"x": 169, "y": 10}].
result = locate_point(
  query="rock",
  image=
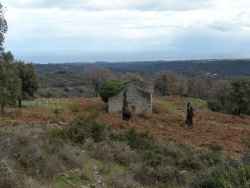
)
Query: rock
[
  {"x": 62, "y": 123},
  {"x": 183, "y": 171},
  {"x": 83, "y": 186}
]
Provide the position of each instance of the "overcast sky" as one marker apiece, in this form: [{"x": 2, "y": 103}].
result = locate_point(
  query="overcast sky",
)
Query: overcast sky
[{"x": 44, "y": 31}]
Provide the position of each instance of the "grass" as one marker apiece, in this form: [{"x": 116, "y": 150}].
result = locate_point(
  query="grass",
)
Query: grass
[
  {"x": 171, "y": 106},
  {"x": 167, "y": 104},
  {"x": 46, "y": 103},
  {"x": 177, "y": 105},
  {"x": 117, "y": 168},
  {"x": 112, "y": 167},
  {"x": 65, "y": 179}
]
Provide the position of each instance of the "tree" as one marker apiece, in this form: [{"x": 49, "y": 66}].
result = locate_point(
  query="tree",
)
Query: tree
[
  {"x": 29, "y": 82},
  {"x": 128, "y": 75},
  {"x": 7, "y": 57},
  {"x": 183, "y": 85},
  {"x": 203, "y": 86},
  {"x": 110, "y": 88},
  {"x": 96, "y": 76},
  {"x": 222, "y": 88},
  {"x": 3, "y": 27},
  {"x": 10, "y": 83},
  {"x": 166, "y": 82},
  {"x": 240, "y": 94}
]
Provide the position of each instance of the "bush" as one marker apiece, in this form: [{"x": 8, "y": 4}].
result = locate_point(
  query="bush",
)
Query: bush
[
  {"x": 84, "y": 127},
  {"x": 146, "y": 175},
  {"x": 110, "y": 88},
  {"x": 135, "y": 139},
  {"x": 78, "y": 133},
  {"x": 225, "y": 176},
  {"x": 112, "y": 151},
  {"x": 154, "y": 157},
  {"x": 115, "y": 180},
  {"x": 214, "y": 106},
  {"x": 209, "y": 158},
  {"x": 97, "y": 132},
  {"x": 171, "y": 177},
  {"x": 215, "y": 147},
  {"x": 246, "y": 154}
]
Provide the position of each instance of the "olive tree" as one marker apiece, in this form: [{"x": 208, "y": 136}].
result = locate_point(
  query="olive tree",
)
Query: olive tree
[{"x": 29, "y": 81}]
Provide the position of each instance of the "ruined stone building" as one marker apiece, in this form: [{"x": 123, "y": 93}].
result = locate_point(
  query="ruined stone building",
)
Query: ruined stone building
[{"x": 137, "y": 94}]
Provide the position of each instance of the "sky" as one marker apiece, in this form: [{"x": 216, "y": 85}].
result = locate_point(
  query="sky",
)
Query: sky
[{"x": 58, "y": 31}]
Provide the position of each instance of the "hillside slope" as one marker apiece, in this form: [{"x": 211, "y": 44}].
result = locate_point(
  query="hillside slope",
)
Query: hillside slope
[
  {"x": 167, "y": 120},
  {"x": 74, "y": 143}
]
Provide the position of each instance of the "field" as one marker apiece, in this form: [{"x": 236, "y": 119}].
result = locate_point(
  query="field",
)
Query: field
[
  {"x": 74, "y": 142},
  {"x": 167, "y": 120}
]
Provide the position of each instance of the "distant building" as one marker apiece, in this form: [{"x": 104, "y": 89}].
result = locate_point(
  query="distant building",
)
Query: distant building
[{"x": 138, "y": 95}]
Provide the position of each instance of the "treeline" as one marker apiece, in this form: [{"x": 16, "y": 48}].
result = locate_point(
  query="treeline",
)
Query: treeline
[
  {"x": 189, "y": 68},
  {"x": 230, "y": 96}
]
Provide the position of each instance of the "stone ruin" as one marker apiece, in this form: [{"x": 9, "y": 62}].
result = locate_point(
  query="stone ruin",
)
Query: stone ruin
[{"x": 136, "y": 96}]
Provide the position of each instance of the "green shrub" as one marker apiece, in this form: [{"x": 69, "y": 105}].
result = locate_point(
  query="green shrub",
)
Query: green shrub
[
  {"x": 146, "y": 175},
  {"x": 214, "y": 106},
  {"x": 209, "y": 158},
  {"x": 246, "y": 153},
  {"x": 110, "y": 88},
  {"x": 84, "y": 127},
  {"x": 215, "y": 147},
  {"x": 97, "y": 132},
  {"x": 78, "y": 133},
  {"x": 172, "y": 153},
  {"x": 189, "y": 163},
  {"x": 135, "y": 139},
  {"x": 171, "y": 177},
  {"x": 153, "y": 157},
  {"x": 230, "y": 173}
]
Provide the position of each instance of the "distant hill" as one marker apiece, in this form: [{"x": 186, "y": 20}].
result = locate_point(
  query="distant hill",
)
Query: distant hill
[{"x": 189, "y": 68}]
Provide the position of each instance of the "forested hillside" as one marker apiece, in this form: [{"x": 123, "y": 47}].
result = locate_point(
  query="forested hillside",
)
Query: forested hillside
[{"x": 190, "y": 68}]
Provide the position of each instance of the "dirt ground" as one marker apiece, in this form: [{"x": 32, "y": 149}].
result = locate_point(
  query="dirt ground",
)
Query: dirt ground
[{"x": 167, "y": 120}]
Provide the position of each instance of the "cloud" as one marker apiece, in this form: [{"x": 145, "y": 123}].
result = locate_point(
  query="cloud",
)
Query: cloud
[
  {"x": 145, "y": 5},
  {"x": 76, "y": 25}
]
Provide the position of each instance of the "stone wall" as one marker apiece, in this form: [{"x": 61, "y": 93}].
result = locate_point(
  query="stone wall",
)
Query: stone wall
[
  {"x": 115, "y": 103},
  {"x": 139, "y": 99},
  {"x": 141, "y": 84}
]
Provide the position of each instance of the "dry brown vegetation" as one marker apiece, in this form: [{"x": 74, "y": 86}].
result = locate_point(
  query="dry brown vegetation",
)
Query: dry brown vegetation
[
  {"x": 40, "y": 150},
  {"x": 167, "y": 120}
]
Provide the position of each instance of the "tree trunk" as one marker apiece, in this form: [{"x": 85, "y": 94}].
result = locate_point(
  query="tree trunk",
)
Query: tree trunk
[
  {"x": 239, "y": 111},
  {"x": 20, "y": 102},
  {"x": 2, "y": 108},
  {"x": 96, "y": 90}
]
